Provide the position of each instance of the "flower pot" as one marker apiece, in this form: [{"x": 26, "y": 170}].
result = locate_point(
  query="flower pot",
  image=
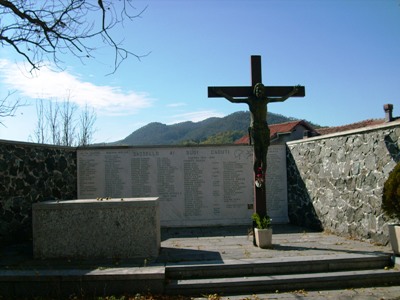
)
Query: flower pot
[
  {"x": 263, "y": 237},
  {"x": 394, "y": 236}
]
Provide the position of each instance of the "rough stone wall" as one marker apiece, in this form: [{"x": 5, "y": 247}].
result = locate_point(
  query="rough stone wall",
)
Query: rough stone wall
[
  {"x": 336, "y": 182},
  {"x": 31, "y": 173}
]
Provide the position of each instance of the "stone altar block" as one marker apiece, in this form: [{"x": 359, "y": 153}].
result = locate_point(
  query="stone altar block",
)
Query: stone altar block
[{"x": 116, "y": 228}]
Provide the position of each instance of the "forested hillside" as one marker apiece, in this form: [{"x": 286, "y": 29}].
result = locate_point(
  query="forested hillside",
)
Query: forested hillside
[{"x": 211, "y": 130}]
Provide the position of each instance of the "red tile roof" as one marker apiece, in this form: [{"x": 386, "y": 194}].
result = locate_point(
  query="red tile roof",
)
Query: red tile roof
[
  {"x": 243, "y": 140},
  {"x": 290, "y": 126},
  {"x": 278, "y": 128},
  {"x": 362, "y": 124},
  {"x": 286, "y": 127}
]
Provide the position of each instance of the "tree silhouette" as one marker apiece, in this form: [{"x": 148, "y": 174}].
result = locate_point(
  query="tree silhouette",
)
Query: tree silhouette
[
  {"x": 44, "y": 30},
  {"x": 8, "y": 108}
]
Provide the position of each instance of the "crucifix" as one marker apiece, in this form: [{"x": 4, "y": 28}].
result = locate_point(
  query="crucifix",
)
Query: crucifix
[{"x": 257, "y": 96}]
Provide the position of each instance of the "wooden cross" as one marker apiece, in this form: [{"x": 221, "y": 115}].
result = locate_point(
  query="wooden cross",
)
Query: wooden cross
[{"x": 257, "y": 96}]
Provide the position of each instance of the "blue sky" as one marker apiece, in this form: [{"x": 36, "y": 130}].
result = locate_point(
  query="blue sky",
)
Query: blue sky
[{"x": 345, "y": 52}]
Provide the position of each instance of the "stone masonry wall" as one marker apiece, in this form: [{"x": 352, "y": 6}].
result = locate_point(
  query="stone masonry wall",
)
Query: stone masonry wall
[
  {"x": 335, "y": 182},
  {"x": 31, "y": 173}
]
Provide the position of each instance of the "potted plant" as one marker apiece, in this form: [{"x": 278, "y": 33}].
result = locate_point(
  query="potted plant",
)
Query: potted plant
[
  {"x": 262, "y": 231},
  {"x": 391, "y": 206}
]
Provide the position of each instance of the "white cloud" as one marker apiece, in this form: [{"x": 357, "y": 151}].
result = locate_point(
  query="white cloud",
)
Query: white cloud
[
  {"x": 177, "y": 104},
  {"x": 48, "y": 84},
  {"x": 195, "y": 116}
]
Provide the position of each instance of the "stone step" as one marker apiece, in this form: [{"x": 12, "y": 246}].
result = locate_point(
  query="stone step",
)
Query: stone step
[
  {"x": 62, "y": 283},
  {"x": 280, "y": 266},
  {"x": 236, "y": 276},
  {"x": 291, "y": 282}
]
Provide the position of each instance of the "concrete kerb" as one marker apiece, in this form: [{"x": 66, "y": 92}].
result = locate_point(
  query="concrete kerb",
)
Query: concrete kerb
[
  {"x": 396, "y": 260},
  {"x": 64, "y": 283}
]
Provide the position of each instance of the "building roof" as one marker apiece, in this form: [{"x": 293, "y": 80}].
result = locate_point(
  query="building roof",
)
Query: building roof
[
  {"x": 276, "y": 129},
  {"x": 357, "y": 125},
  {"x": 289, "y": 127}
]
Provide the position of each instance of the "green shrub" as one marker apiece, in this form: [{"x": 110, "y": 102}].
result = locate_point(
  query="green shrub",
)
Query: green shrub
[
  {"x": 262, "y": 223},
  {"x": 391, "y": 194}
]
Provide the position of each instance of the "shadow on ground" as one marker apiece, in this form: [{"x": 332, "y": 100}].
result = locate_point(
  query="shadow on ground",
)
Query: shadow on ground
[
  {"x": 176, "y": 255},
  {"x": 223, "y": 231}
]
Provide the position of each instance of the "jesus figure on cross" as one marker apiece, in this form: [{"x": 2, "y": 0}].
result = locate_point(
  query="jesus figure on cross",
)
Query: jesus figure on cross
[
  {"x": 258, "y": 131},
  {"x": 257, "y": 97}
]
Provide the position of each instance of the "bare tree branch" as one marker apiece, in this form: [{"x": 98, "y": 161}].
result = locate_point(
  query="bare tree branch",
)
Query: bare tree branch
[
  {"x": 52, "y": 116},
  {"x": 59, "y": 124},
  {"x": 8, "y": 108},
  {"x": 68, "y": 122},
  {"x": 39, "y": 135},
  {"x": 86, "y": 127},
  {"x": 45, "y": 30}
]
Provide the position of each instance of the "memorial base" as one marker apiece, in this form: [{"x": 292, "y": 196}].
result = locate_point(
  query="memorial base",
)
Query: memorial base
[{"x": 92, "y": 229}]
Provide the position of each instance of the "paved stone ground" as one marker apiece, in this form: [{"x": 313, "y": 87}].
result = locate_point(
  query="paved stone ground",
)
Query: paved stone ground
[
  {"x": 223, "y": 244},
  {"x": 235, "y": 243},
  {"x": 182, "y": 246},
  {"x": 392, "y": 293}
]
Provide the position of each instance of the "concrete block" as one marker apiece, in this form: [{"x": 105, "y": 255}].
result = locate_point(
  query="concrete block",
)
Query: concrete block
[
  {"x": 116, "y": 228},
  {"x": 396, "y": 260}
]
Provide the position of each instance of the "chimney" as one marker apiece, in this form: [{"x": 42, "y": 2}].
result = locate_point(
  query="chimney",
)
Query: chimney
[{"x": 388, "y": 112}]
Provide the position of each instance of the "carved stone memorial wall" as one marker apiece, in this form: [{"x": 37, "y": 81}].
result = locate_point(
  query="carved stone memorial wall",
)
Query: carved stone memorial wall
[
  {"x": 276, "y": 184},
  {"x": 197, "y": 186}
]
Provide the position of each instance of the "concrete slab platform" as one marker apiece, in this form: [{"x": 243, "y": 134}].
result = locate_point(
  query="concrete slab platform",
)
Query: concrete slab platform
[
  {"x": 236, "y": 243},
  {"x": 221, "y": 245}
]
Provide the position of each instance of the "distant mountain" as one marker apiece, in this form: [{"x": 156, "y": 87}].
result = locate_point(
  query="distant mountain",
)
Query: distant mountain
[{"x": 189, "y": 132}]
